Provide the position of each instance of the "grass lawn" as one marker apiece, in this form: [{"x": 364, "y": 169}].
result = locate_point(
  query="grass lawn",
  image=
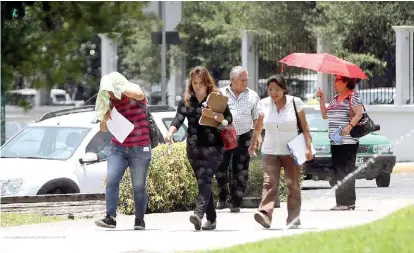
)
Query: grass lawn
[
  {"x": 17, "y": 219},
  {"x": 393, "y": 233}
]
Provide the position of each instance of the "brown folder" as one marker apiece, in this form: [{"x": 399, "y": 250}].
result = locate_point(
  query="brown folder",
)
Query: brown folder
[{"x": 217, "y": 103}]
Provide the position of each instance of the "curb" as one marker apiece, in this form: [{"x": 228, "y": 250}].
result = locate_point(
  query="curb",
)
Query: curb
[
  {"x": 404, "y": 167},
  {"x": 248, "y": 202},
  {"x": 53, "y": 198}
]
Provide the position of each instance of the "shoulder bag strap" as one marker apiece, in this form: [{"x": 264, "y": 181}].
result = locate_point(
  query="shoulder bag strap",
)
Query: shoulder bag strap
[
  {"x": 143, "y": 107},
  {"x": 351, "y": 112},
  {"x": 300, "y": 130}
]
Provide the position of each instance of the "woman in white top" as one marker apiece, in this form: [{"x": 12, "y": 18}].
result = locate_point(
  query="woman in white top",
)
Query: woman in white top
[{"x": 278, "y": 117}]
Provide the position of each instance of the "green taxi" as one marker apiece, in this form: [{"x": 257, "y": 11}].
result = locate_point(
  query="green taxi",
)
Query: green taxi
[{"x": 375, "y": 157}]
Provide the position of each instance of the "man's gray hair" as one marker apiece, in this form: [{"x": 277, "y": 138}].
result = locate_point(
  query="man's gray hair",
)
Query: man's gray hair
[{"x": 236, "y": 71}]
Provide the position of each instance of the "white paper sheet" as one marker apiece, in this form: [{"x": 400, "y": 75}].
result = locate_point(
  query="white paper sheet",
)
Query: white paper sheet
[
  {"x": 297, "y": 148},
  {"x": 119, "y": 126}
]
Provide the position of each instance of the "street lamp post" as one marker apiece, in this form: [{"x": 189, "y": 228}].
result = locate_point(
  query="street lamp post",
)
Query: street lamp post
[
  {"x": 3, "y": 112},
  {"x": 163, "y": 56}
]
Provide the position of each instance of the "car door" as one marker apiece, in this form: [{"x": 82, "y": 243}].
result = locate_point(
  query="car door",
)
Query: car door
[{"x": 92, "y": 174}]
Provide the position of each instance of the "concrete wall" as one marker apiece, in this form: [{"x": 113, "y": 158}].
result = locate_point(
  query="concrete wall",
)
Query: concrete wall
[{"x": 397, "y": 124}]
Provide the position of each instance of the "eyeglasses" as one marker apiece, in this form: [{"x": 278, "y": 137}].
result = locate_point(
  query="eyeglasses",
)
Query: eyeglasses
[{"x": 338, "y": 79}]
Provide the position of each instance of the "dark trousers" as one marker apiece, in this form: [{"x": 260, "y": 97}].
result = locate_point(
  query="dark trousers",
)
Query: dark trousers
[
  {"x": 240, "y": 159},
  {"x": 343, "y": 162},
  {"x": 205, "y": 162}
]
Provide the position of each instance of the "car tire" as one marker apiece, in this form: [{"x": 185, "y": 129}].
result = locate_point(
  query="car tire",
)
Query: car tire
[
  {"x": 59, "y": 186},
  {"x": 383, "y": 180}
]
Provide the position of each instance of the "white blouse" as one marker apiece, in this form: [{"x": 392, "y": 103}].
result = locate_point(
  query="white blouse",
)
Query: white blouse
[{"x": 281, "y": 127}]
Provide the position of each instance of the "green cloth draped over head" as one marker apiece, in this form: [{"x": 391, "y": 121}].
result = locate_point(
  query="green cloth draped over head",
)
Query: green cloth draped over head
[{"x": 114, "y": 82}]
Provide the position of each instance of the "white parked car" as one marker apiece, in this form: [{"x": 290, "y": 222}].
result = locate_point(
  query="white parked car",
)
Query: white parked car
[{"x": 64, "y": 153}]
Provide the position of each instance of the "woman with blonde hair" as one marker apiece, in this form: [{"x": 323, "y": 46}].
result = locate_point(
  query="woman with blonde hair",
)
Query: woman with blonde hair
[{"x": 205, "y": 146}]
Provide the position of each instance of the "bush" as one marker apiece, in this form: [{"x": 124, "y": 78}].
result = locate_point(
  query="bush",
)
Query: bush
[
  {"x": 172, "y": 186},
  {"x": 255, "y": 186}
]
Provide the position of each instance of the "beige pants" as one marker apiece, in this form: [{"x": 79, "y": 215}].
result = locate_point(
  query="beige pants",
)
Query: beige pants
[{"x": 272, "y": 165}]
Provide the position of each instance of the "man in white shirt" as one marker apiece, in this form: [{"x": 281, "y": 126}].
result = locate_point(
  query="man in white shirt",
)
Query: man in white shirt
[{"x": 243, "y": 104}]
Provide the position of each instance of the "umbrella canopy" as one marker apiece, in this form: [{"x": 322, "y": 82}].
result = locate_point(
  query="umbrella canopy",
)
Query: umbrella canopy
[{"x": 325, "y": 63}]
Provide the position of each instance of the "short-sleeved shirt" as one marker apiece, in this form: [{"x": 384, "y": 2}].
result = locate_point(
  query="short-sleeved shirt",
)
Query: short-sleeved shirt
[
  {"x": 281, "y": 127},
  {"x": 243, "y": 108},
  {"x": 130, "y": 109},
  {"x": 339, "y": 115}
]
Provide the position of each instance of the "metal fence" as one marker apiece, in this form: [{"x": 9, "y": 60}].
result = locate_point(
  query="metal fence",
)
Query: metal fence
[
  {"x": 371, "y": 91},
  {"x": 379, "y": 88},
  {"x": 271, "y": 48}
]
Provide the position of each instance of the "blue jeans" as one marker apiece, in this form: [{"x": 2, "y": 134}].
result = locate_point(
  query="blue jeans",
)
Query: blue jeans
[{"x": 119, "y": 159}]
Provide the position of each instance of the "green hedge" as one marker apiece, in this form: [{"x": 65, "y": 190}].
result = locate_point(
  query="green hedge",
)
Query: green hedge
[{"x": 172, "y": 186}]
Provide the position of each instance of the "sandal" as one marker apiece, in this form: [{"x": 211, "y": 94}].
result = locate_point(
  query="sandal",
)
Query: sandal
[{"x": 343, "y": 208}]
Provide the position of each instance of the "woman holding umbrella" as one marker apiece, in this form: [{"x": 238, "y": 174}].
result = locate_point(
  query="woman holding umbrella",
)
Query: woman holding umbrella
[
  {"x": 344, "y": 153},
  {"x": 338, "y": 114}
]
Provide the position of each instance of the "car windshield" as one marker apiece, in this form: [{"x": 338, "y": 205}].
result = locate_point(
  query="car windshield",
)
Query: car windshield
[
  {"x": 12, "y": 128},
  {"x": 60, "y": 97},
  {"x": 316, "y": 122},
  {"x": 54, "y": 143}
]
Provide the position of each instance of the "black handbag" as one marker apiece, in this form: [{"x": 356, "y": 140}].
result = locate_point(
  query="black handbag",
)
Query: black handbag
[
  {"x": 365, "y": 126},
  {"x": 154, "y": 132}
]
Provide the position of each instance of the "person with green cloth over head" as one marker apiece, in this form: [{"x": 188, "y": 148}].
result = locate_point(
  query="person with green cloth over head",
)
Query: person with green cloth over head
[{"x": 116, "y": 92}]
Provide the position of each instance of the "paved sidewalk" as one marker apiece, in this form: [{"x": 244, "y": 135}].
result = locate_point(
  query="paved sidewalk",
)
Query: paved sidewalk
[{"x": 172, "y": 232}]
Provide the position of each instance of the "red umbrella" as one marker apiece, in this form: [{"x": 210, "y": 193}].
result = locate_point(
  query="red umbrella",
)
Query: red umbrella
[{"x": 325, "y": 63}]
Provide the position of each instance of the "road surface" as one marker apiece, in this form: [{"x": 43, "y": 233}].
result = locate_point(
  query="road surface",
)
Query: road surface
[{"x": 402, "y": 186}]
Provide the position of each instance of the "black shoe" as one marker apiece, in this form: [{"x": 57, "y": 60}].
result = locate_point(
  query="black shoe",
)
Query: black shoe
[
  {"x": 196, "y": 221},
  {"x": 221, "y": 205},
  {"x": 208, "y": 225},
  {"x": 139, "y": 224},
  {"x": 107, "y": 222},
  {"x": 343, "y": 208}
]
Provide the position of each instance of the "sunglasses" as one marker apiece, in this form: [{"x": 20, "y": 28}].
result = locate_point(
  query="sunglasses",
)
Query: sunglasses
[{"x": 337, "y": 79}]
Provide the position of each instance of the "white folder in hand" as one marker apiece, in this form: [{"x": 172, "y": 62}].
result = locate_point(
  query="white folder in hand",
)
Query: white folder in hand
[
  {"x": 297, "y": 148},
  {"x": 119, "y": 126}
]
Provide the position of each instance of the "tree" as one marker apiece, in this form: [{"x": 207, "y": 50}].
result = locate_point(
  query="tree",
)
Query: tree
[
  {"x": 139, "y": 57},
  {"x": 45, "y": 44},
  {"x": 211, "y": 34},
  {"x": 362, "y": 31}
]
